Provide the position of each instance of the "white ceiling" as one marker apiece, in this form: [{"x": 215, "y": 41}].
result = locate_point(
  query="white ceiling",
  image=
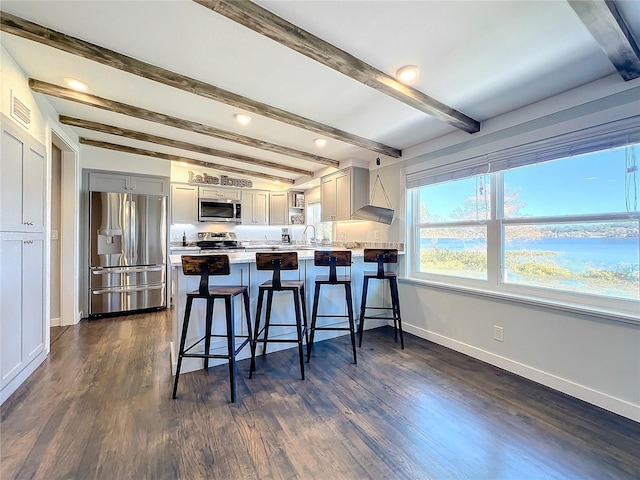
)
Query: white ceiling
[{"x": 483, "y": 58}]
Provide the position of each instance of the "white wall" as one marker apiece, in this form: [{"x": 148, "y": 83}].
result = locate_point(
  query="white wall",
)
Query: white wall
[
  {"x": 101, "y": 159},
  {"x": 590, "y": 357},
  {"x": 14, "y": 80}
]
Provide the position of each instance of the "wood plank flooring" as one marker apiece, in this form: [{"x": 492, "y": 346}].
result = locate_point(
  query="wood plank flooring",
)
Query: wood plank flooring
[{"x": 100, "y": 407}]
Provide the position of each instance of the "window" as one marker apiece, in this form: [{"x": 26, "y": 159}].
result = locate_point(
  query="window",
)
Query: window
[
  {"x": 596, "y": 257},
  {"x": 323, "y": 229},
  {"x": 453, "y": 228},
  {"x": 566, "y": 229}
]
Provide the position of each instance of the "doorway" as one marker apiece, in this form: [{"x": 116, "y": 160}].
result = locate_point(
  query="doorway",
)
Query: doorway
[
  {"x": 63, "y": 278},
  {"x": 55, "y": 246}
]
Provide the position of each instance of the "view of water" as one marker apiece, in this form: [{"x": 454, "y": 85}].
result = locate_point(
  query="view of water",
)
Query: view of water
[{"x": 575, "y": 254}]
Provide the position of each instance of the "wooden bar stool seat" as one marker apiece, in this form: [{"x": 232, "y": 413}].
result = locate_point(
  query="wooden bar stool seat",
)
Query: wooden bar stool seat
[
  {"x": 382, "y": 256},
  {"x": 205, "y": 266},
  {"x": 277, "y": 262},
  {"x": 332, "y": 259}
]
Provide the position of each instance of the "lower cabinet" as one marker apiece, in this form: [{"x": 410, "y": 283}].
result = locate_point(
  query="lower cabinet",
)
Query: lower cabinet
[{"x": 21, "y": 303}]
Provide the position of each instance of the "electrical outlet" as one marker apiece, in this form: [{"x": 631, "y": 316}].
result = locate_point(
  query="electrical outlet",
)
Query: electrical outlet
[
  {"x": 498, "y": 333},
  {"x": 376, "y": 234},
  {"x": 343, "y": 236}
]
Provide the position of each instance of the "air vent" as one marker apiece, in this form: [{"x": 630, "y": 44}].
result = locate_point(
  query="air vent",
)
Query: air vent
[{"x": 20, "y": 111}]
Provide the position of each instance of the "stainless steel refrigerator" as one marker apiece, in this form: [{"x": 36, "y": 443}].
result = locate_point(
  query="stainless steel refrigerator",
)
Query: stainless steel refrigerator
[{"x": 128, "y": 252}]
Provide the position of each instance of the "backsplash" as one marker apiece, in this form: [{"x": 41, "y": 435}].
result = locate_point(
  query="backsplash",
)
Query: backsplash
[{"x": 368, "y": 234}]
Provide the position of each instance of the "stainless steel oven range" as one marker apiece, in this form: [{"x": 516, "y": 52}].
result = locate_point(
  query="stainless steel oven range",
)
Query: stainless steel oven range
[{"x": 218, "y": 242}]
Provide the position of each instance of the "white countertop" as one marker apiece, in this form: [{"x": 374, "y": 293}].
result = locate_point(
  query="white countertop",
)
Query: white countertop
[{"x": 250, "y": 257}]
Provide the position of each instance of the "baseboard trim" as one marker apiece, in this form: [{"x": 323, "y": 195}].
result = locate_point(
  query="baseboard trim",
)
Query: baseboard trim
[
  {"x": 19, "y": 379},
  {"x": 589, "y": 395},
  {"x": 55, "y": 322}
]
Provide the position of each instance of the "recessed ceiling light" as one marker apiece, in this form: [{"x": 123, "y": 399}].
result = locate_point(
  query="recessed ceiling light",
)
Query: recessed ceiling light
[
  {"x": 75, "y": 84},
  {"x": 242, "y": 118},
  {"x": 320, "y": 142},
  {"x": 408, "y": 74}
]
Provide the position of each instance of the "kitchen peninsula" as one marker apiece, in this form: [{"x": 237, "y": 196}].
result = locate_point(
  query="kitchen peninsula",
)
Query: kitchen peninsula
[{"x": 243, "y": 272}]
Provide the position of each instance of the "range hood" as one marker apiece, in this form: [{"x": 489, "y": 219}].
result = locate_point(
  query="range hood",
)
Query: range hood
[{"x": 375, "y": 213}]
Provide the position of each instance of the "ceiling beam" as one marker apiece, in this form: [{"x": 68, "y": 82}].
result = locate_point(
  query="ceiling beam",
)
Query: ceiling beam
[
  {"x": 38, "y": 33},
  {"x": 606, "y": 24},
  {"x": 176, "y": 158},
  {"x": 167, "y": 142},
  {"x": 151, "y": 116},
  {"x": 276, "y": 28}
]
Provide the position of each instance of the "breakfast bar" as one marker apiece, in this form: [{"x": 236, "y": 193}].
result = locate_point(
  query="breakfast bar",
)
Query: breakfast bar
[{"x": 244, "y": 272}]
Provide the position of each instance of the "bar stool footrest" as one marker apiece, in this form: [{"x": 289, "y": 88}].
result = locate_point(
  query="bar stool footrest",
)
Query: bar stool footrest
[
  {"x": 204, "y": 355},
  {"x": 329, "y": 328},
  {"x": 280, "y": 340}
]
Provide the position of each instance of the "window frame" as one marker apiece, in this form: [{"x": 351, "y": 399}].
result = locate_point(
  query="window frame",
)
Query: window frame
[{"x": 494, "y": 285}]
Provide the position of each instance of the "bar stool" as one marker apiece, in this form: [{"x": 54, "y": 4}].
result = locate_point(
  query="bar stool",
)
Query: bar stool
[
  {"x": 204, "y": 266},
  {"x": 278, "y": 262},
  {"x": 382, "y": 256},
  {"x": 332, "y": 259}
]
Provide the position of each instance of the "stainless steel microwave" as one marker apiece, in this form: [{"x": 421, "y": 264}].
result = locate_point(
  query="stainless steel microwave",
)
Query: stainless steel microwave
[{"x": 219, "y": 210}]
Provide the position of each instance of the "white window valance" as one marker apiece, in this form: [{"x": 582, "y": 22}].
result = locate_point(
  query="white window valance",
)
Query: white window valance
[{"x": 592, "y": 139}]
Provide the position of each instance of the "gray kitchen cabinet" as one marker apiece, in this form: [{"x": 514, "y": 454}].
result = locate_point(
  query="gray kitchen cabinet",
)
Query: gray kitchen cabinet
[
  {"x": 22, "y": 256},
  {"x": 22, "y": 180},
  {"x": 184, "y": 203},
  {"x": 215, "y": 193},
  {"x": 278, "y": 208},
  {"x": 22, "y": 312},
  {"x": 255, "y": 207},
  {"x": 124, "y": 183},
  {"x": 343, "y": 192}
]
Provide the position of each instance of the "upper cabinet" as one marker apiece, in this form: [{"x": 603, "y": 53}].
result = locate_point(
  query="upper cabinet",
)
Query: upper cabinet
[
  {"x": 22, "y": 182},
  {"x": 184, "y": 203},
  {"x": 123, "y": 183},
  {"x": 296, "y": 207},
  {"x": 255, "y": 207},
  {"x": 216, "y": 193},
  {"x": 343, "y": 192},
  {"x": 278, "y": 208}
]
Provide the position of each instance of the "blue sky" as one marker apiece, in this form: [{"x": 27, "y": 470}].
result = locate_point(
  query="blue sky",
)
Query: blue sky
[{"x": 592, "y": 183}]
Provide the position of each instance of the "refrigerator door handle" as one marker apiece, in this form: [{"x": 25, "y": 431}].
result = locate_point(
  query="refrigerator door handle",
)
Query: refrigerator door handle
[
  {"x": 109, "y": 271},
  {"x": 125, "y": 289},
  {"x": 133, "y": 257},
  {"x": 125, "y": 220}
]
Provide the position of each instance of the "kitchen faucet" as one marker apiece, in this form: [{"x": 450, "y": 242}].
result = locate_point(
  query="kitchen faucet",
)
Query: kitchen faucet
[{"x": 313, "y": 236}]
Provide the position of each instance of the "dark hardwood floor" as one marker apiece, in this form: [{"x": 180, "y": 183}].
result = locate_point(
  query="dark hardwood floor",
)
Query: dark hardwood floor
[
  {"x": 100, "y": 407},
  {"x": 55, "y": 332}
]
